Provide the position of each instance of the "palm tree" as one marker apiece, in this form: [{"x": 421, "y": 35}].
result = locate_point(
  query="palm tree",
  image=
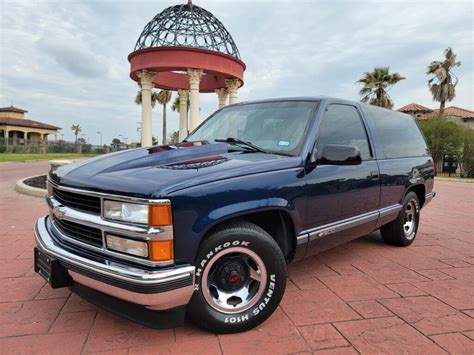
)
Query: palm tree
[
  {"x": 375, "y": 86},
  {"x": 76, "y": 129},
  {"x": 441, "y": 85},
  {"x": 154, "y": 98},
  {"x": 175, "y": 105},
  {"x": 164, "y": 97}
]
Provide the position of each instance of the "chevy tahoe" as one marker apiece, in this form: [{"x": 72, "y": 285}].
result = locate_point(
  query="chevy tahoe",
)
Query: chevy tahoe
[{"x": 206, "y": 227}]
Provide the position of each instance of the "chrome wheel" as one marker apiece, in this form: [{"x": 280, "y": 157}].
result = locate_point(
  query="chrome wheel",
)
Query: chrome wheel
[
  {"x": 234, "y": 280},
  {"x": 409, "y": 221}
]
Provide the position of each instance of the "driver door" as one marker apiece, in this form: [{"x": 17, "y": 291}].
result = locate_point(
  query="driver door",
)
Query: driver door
[{"x": 342, "y": 199}]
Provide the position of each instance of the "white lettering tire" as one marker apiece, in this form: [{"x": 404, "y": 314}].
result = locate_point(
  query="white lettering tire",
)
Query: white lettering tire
[{"x": 240, "y": 279}]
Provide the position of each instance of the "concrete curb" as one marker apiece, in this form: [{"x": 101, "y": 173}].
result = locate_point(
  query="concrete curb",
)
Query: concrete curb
[{"x": 22, "y": 188}]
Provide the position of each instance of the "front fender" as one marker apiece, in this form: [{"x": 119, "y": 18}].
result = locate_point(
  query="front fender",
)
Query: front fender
[
  {"x": 198, "y": 209},
  {"x": 219, "y": 215}
]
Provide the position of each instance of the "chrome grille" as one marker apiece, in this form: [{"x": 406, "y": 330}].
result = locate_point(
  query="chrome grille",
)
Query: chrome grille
[
  {"x": 79, "y": 232},
  {"x": 81, "y": 202}
]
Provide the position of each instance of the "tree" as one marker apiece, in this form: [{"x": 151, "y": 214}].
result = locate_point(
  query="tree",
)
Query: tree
[
  {"x": 375, "y": 86},
  {"x": 176, "y": 104},
  {"x": 443, "y": 137},
  {"x": 443, "y": 84},
  {"x": 76, "y": 129},
  {"x": 164, "y": 97},
  {"x": 173, "y": 137},
  {"x": 154, "y": 98},
  {"x": 466, "y": 159},
  {"x": 116, "y": 141},
  {"x": 81, "y": 140}
]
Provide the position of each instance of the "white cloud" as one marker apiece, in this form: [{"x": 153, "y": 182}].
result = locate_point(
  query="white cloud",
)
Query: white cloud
[{"x": 66, "y": 62}]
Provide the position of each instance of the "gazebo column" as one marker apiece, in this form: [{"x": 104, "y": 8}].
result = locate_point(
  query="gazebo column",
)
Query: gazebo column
[
  {"x": 146, "y": 85},
  {"x": 232, "y": 87},
  {"x": 183, "y": 114},
  {"x": 5, "y": 133},
  {"x": 194, "y": 76},
  {"x": 222, "y": 96}
]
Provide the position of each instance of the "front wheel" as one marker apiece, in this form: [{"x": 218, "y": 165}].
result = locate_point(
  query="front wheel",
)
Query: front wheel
[
  {"x": 240, "y": 279},
  {"x": 402, "y": 231}
]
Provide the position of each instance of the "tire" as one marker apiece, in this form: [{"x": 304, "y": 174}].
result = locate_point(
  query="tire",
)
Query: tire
[
  {"x": 228, "y": 297},
  {"x": 402, "y": 231}
]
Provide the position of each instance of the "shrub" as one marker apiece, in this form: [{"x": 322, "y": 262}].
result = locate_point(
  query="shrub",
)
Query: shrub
[
  {"x": 443, "y": 137},
  {"x": 466, "y": 159}
]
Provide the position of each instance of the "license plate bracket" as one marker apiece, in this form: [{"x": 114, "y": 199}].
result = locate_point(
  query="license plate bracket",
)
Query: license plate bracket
[{"x": 51, "y": 270}]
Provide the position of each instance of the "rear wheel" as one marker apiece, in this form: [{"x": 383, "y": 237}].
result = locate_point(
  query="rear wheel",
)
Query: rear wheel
[
  {"x": 240, "y": 279},
  {"x": 402, "y": 231}
]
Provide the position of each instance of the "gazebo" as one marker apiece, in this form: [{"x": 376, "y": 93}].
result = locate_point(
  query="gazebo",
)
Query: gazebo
[{"x": 187, "y": 49}]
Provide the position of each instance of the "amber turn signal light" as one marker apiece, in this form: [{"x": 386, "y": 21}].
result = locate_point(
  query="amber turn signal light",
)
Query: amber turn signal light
[
  {"x": 159, "y": 215},
  {"x": 160, "y": 250}
]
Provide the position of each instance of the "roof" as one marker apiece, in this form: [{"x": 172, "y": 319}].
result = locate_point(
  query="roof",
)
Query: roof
[
  {"x": 414, "y": 107},
  {"x": 187, "y": 25},
  {"x": 456, "y": 111},
  {"x": 22, "y": 122},
  {"x": 12, "y": 109}
]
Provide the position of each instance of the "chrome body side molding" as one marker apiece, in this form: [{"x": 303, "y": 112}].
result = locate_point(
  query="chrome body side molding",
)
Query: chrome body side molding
[
  {"x": 348, "y": 223},
  {"x": 429, "y": 196}
]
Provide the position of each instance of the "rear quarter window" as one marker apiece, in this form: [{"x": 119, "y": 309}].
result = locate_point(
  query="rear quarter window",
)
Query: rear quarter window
[{"x": 398, "y": 133}]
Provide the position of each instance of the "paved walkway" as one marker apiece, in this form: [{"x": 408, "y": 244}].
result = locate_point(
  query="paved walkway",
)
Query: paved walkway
[{"x": 363, "y": 297}]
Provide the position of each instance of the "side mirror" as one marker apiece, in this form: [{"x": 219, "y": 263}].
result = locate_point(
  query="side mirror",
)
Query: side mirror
[{"x": 335, "y": 154}]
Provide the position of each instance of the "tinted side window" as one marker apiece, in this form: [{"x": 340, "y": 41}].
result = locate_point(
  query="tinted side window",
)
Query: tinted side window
[
  {"x": 398, "y": 134},
  {"x": 342, "y": 124}
]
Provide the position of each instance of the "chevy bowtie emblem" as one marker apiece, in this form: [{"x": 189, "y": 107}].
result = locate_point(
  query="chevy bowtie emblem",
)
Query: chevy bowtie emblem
[{"x": 58, "y": 212}]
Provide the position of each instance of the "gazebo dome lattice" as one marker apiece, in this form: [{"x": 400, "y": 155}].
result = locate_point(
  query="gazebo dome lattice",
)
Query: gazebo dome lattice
[
  {"x": 187, "y": 49},
  {"x": 187, "y": 25}
]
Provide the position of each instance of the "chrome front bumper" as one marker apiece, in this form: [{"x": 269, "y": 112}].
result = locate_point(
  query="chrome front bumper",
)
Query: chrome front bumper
[{"x": 157, "y": 290}]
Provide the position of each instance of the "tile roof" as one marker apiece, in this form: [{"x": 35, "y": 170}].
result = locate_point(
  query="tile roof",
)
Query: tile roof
[
  {"x": 12, "y": 109},
  {"x": 456, "y": 111},
  {"x": 22, "y": 122},
  {"x": 414, "y": 107}
]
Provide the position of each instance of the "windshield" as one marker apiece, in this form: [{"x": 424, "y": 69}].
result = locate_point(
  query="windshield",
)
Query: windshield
[{"x": 277, "y": 127}]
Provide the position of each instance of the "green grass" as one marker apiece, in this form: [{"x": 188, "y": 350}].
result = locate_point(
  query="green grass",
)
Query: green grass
[
  {"x": 447, "y": 178},
  {"x": 6, "y": 157}
]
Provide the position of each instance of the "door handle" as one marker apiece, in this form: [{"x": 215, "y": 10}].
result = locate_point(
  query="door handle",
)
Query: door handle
[{"x": 374, "y": 174}]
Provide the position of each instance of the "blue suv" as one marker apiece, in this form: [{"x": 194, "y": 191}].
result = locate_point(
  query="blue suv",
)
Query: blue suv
[{"x": 205, "y": 228}]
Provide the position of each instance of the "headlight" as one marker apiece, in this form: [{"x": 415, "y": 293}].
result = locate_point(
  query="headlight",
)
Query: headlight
[
  {"x": 127, "y": 212},
  {"x": 155, "y": 215},
  {"x": 127, "y": 246}
]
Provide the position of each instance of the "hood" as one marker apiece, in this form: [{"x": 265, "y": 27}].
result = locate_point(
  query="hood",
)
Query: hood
[{"x": 158, "y": 171}]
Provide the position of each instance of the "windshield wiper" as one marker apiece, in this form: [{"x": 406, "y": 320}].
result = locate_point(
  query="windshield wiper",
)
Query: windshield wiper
[{"x": 237, "y": 141}]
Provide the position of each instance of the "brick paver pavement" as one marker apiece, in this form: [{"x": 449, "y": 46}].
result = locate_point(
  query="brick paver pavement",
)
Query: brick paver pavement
[{"x": 363, "y": 297}]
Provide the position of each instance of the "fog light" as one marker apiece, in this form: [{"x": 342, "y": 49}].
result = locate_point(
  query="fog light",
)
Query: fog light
[
  {"x": 127, "y": 246},
  {"x": 161, "y": 250}
]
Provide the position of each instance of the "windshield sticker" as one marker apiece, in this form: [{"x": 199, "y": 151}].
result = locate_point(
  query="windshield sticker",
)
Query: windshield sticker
[{"x": 284, "y": 143}]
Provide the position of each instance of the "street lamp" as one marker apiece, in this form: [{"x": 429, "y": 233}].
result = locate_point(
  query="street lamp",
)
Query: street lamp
[
  {"x": 121, "y": 135},
  {"x": 100, "y": 137}
]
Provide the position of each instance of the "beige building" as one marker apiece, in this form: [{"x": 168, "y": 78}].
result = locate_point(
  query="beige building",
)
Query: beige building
[
  {"x": 16, "y": 129},
  {"x": 459, "y": 115}
]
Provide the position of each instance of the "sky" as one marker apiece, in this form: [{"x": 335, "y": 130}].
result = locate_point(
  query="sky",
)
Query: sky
[{"x": 66, "y": 61}]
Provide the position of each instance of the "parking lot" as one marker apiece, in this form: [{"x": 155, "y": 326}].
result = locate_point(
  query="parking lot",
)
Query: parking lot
[{"x": 362, "y": 297}]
